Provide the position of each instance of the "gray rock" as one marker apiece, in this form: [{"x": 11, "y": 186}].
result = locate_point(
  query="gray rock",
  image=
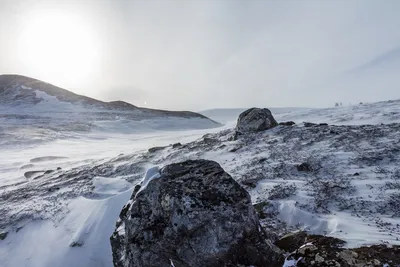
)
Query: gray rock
[
  {"x": 33, "y": 174},
  {"x": 319, "y": 250},
  {"x": 194, "y": 215},
  {"x": 176, "y": 145},
  {"x": 156, "y": 148},
  {"x": 255, "y": 120},
  {"x": 287, "y": 123},
  {"x": 3, "y": 235},
  {"x": 292, "y": 241},
  {"x": 309, "y": 124},
  {"x": 304, "y": 167}
]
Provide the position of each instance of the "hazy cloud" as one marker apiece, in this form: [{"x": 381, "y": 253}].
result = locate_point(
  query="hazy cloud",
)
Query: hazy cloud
[{"x": 204, "y": 54}]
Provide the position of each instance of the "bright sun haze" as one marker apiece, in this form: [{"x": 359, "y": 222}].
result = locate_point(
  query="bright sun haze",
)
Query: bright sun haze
[
  {"x": 197, "y": 55},
  {"x": 58, "y": 46}
]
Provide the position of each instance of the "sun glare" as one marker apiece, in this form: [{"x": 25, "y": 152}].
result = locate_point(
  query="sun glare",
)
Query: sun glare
[{"x": 58, "y": 47}]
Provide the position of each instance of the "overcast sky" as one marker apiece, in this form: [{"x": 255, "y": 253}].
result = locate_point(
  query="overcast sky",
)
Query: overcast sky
[{"x": 200, "y": 54}]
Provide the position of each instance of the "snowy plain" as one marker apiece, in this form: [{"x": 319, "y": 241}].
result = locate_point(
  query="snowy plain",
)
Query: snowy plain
[{"x": 64, "y": 212}]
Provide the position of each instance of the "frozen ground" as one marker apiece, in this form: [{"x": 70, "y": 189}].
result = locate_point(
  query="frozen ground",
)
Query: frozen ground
[
  {"x": 60, "y": 197},
  {"x": 367, "y": 113}
]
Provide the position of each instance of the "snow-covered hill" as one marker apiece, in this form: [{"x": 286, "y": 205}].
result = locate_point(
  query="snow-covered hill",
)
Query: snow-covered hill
[
  {"x": 32, "y": 111},
  {"x": 31, "y": 95},
  {"x": 66, "y": 193}
]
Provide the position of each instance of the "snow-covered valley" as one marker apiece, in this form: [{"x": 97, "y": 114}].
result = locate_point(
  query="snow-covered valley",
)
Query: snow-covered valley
[{"x": 61, "y": 191}]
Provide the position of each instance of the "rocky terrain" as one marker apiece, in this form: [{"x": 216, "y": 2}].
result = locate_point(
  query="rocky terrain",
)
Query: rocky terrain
[
  {"x": 318, "y": 250},
  {"x": 340, "y": 181},
  {"x": 335, "y": 193}
]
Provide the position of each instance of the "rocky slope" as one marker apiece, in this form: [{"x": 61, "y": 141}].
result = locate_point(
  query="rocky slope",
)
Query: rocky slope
[{"x": 335, "y": 180}]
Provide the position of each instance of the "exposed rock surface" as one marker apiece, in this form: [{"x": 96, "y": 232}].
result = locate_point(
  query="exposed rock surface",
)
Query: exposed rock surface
[
  {"x": 3, "y": 235},
  {"x": 318, "y": 250},
  {"x": 304, "y": 167},
  {"x": 287, "y": 123},
  {"x": 194, "y": 214},
  {"x": 309, "y": 124},
  {"x": 156, "y": 148},
  {"x": 291, "y": 241},
  {"x": 255, "y": 120},
  {"x": 176, "y": 145}
]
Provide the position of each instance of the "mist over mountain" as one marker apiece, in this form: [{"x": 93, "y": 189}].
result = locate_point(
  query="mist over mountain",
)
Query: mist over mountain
[
  {"x": 26, "y": 93},
  {"x": 33, "y": 111}
]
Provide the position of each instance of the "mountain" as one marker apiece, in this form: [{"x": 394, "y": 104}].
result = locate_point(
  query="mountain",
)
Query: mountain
[
  {"x": 36, "y": 111},
  {"x": 24, "y": 92}
]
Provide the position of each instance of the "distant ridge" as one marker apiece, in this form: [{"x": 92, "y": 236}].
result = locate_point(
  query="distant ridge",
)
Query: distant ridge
[
  {"x": 20, "y": 90},
  {"x": 225, "y": 115}
]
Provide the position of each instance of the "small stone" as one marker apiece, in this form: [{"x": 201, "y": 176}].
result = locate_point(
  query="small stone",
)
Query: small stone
[
  {"x": 306, "y": 248},
  {"x": 3, "y": 235},
  {"x": 309, "y": 124},
  {"x": 292, "y": 241},
  {"x": 376, "y": 262},
  {"x": 233, "y": 150},
  {"x": 348, "y": 256},
  {"x": 176, "y": 145},
  {"x": 287, "y": 123},
  {"x": 157, "y": 148},
  {"x": 304, "y": 167},
  {"x": 259, "y": 207},
  {"x": 76, "y": 244},
  {"x": 319, "y": 259}
]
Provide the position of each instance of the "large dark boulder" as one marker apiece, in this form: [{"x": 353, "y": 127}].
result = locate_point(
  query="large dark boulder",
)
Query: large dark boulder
[
  {"x": 192, "y": 215},
  {"x": 255, "y": 120}
]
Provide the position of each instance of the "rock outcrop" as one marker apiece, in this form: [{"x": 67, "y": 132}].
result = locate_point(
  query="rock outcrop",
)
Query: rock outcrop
[
  {"x": 193, "y": 214},
  {"x": 255, "y": 120},
  {"x": 319, "y": 250},
  {"x": 287, "y": 123}
]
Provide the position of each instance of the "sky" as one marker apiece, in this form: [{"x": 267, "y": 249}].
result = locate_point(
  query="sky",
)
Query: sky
[{"x": 201, "y": 54}]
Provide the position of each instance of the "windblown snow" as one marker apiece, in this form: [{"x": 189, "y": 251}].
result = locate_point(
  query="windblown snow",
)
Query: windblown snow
[
  {"x": 61, "y": 191},
  {"x": 33, "y": 112}
]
